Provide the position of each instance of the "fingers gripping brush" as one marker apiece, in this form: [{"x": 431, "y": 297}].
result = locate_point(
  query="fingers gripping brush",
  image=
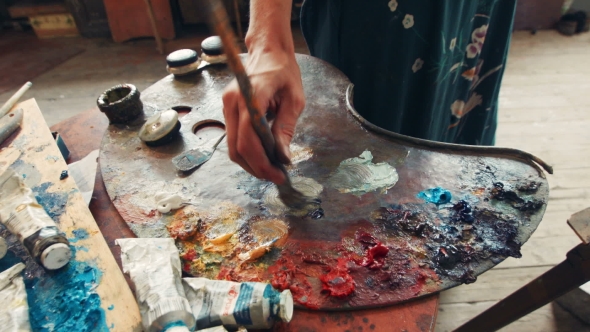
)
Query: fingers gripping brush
[{"x": 288, "y": 195}]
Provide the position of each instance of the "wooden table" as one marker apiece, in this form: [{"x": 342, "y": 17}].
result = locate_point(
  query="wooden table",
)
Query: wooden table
[{"x": 83, "y": 133}]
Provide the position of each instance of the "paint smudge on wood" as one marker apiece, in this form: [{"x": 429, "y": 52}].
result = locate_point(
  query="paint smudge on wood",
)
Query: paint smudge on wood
[
  {"x": 54, "y": 203},
  {"x": 66, "y": 300},
  {"x": 79, "y": 234}
]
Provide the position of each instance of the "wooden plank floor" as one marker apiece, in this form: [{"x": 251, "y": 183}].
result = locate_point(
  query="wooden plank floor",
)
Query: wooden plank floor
[{"x": 545, "y": 110}]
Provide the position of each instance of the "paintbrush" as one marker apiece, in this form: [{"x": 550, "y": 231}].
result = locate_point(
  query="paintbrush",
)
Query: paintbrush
[{"x": 220, "y": 24}]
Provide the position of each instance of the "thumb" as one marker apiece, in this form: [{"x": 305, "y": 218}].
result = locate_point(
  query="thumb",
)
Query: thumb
[{"x": 283, "y": 130}]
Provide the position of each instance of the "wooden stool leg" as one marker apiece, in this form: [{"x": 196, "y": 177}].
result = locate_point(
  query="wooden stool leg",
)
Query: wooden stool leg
[
  {"x": 150, "y": 10},
  {"x": 569, "y": 274}
]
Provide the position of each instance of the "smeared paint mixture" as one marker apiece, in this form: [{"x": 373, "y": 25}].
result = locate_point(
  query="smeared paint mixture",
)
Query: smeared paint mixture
[
  {"x": 399, "y": 252},
  {"x": 360, "y": 175}
]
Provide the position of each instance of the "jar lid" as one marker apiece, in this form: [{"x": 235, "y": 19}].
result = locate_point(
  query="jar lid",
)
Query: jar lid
[
  {"x": 158, "y": 126},
  {"x": 286, "y": 306},
  {"x": 212, "y": 46},
  {"x": 56, "y": 256},
  {"x": 181, "y": 58}
]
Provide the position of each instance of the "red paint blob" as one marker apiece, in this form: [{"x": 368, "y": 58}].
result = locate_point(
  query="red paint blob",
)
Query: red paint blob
[
  {"x": 375, "y": 251},
  {"x": 285, "y": 275},
  {"x": 190, "y": 255},
  {"x": 338, "y": 282}
]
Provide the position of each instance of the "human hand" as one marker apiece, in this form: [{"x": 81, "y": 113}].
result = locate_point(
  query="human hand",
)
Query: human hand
[{"x": 277, "y": 86}]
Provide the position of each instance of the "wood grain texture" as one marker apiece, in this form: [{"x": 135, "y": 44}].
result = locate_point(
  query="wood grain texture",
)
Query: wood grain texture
[{"x": 37, "y": 148}]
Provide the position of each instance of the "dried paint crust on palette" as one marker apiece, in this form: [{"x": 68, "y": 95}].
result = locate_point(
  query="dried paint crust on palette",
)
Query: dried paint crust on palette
[{"x": 403, "y": 218}]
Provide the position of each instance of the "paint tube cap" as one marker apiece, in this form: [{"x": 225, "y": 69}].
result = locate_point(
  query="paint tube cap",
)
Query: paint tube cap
[
  {"x": 3, "y": 247},
  {"x": 56, "y": 256},
  {"x": 212, "y": 46},
  {"x": 181, "y": 58},
  {"x": 286, "y": 306},
  {"x": 180, "y": 328}
]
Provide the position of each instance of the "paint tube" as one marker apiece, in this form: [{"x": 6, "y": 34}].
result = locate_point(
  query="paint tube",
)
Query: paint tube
[
  {"x": 3, "y": 247},
  {"x": 154, "y": 268},
  {"x": 24, "y": 217},
  {"x": 253, "y": 305},
  {"x": 14, "y": 311}
]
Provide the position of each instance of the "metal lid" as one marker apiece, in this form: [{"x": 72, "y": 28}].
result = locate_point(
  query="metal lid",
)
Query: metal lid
[
  {"x": 286, "y": 306},
  {"x": 212, "y": 46},
  {"x": 181, "y": 58},
  {"x": 56, "y": 256},
  {"x": 158, "y": 126}
]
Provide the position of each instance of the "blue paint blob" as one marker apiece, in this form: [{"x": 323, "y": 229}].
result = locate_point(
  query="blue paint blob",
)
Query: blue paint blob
[
  {"x": 111, "y": 307},
  {"x": 66, "y": 300},
  {"x": 173, "y": 324},
  {"x": 436, "y": 195},
  {"x": 53, "y": 203},
  {"x": 79, "y": 234}
]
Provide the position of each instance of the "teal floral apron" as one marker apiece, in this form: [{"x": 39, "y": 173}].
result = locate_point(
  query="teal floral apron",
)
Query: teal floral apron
[{"x": 424, "y": 68}]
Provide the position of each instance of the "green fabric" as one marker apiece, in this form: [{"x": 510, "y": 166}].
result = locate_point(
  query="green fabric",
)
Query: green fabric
[{"x": 424, "y": 68}]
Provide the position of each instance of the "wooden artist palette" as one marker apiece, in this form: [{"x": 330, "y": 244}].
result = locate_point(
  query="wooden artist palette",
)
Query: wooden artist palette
[{"x": 381, "y": 247}]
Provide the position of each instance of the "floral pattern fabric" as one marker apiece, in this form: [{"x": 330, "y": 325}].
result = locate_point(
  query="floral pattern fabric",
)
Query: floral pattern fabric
[{"x": 424, "y": 68}]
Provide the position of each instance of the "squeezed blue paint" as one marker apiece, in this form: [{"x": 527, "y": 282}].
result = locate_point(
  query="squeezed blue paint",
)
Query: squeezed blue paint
[
  {"x": 436, "y": 195},
  {"x": 111, "y": 307},
  {"x": 24, "y": 176},
  {"x": 66, "y": 300},
  {"x": 53, "y": 203},
  {"x": 79, "y": 234},
  {"x": 173, "y": 324}
]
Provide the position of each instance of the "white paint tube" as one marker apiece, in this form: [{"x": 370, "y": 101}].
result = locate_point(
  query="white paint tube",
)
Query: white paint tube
[
  {"x": 3, "y": 247},
  {"x": 14, "y": 311},
  {"x": 154, "y": 268},
  {"x": 23, "y": 216},
  {"x": 253, "y": 305}
]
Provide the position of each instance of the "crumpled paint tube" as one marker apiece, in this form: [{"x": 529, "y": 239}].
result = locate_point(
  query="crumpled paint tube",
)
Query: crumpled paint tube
[
  {"x": 14, "y": 311},
  {"x": 253, "y": 305},
  {"x": 154, "y": 268},
  {"x": 23, "y": 216}
]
